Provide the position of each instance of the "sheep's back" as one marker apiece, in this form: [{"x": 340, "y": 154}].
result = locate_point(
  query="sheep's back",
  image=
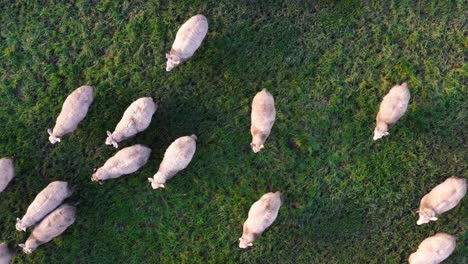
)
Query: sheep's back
[{"x": 190, "y": 36}]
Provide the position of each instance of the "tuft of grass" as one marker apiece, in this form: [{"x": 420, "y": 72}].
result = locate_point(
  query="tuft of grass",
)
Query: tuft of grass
[{"x": 347, "y": 199}]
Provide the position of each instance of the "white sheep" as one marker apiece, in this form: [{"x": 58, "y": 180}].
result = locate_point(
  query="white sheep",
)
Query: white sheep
[
  {"x": 177, "y": 156},
  {"x": 6, "y": 253},
  {"x": 441, "y": 199},
  {"x": 74, "y": 110},
  {"x": 50, "y": 227},
  {"x": 126, "y": 161},
  {"x": 434, "y": 249},
  {"x": 187, "y": 41},
  {"x": 261, "y": 215},
  {"x": 393, "y": 107},
  {"x": 135, "y": 119},
  {"x": 47, "y": 200},
  {"x": 7, "y": 172},
  {"x": 263, "y": 116}
]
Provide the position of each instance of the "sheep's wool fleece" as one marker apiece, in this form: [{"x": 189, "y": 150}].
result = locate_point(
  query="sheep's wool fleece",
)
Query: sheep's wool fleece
[
  {"x": 74, "y": 110},
  {"x": 126, "y": 161},
  {"x": 7, "y": 172},
  {"x": 433, "y": 249},
  {"x": 445, "y": 196},
  {"x": 263, "y": 212},
  {"x": 190, "y": 36},
  {"x": 52, "y": 226},
  {"x": 46, "y": 201},
  {"x": 394, "y": 104}
]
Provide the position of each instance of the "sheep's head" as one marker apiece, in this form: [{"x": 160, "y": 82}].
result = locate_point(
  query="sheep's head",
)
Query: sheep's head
[
  {"x": 53, "y": 139},
  {"x": 381, "y": 130},
  {"x": 110, "y": 140},
  {"x": 258, "y": 138},
  {"x": 426, "y": 216},
  {"x": 27, "y": 248},
  {"x": 155, "y": 182},
  {"x": 19, "y": 225},
  {"x": 245, "y": 243},
  {"x": 172, "y": 61},
  {"x": 256, "y": 148},
  {"x": 95, "y": 178}
]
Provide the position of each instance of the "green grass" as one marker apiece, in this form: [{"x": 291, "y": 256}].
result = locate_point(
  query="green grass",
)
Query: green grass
[{"x": 347, "y": 199}]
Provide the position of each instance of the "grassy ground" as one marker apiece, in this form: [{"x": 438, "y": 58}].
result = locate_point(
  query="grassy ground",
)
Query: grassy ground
[{"x": 347, "y": 199}]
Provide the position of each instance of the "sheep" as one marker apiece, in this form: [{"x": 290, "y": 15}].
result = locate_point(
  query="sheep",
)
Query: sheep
[
  {"x": 47, "y": 200},
  {"x": 434, "y": 249},
  {"x": 177, "y": 156},
  {"x": 441, "y": 199},
  {"x": 187, "y": 41},
  {"x": 393, "y": 107},
  {"x": 50, "y": 227},
  {"x": 7, "y": 172},
  {"x": 135, "y": 119},
  {"x": 74, "y": 110},
  {"x": 261, "y": 215},
  {"x": 263, "y": 116},
  {"x": 6, "y": 253},
  {"x": 126, "y": 161}
]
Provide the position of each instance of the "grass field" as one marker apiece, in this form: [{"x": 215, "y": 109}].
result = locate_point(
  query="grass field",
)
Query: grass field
[{"x": 347, "y": 199}]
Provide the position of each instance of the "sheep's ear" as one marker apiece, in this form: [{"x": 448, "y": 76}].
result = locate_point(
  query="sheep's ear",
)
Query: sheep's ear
[
  {"x": 168, "y": 56},
  {"x": 21, "y": 245},
  {"x": 115, "y": 145},
  {"x": 109, "y": 133},
  {"x": 250, "y": 244},
  {"x": 433, "y": 218},
  {"x": 49, "y": 131},
  {"x": 262, "y": 146},
  {"x": 58, "y": 139},
  {"x": 162, "y": 186},
  {"x": 240, "y": 238},
  {"x": 150, "y": 180}
]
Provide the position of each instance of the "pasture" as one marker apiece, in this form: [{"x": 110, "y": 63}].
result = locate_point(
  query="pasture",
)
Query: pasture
[{"x": 346, "y": 198}]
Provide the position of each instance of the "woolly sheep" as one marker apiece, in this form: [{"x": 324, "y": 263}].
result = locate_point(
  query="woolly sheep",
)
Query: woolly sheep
[
  {"x": 261, "y": 215},
  {"x": 126, "y": 161},
  {"x": 7, "y": 172},
  {"x": 263, "y": 116},
  {"x": 441, "y": 199},
  {"x": 135, "y": 119},
  {"x": 433, "y": 250},
  {"x": 47, "y": 200},
  {"x": 6, "y": 253},
  {"x": 187, "y": 41},
  {"x": 49, "y": 228},
  {"x": 177, "y": 156},
  {"x": 74, "y": 110},
  {"x": 393, "y": 107}
]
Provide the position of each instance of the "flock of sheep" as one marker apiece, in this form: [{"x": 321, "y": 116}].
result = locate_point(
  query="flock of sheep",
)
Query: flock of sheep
[{"x": 53, "y": 217}]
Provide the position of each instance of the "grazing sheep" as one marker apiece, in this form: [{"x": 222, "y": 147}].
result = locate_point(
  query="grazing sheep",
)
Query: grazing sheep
[
  {"x": 177, "y": 156},
  {"x": 6, "y": 253},
  {"x": 393, "y": 107},
  {"x": 74, "y": 109},
  {"x": 261, "y": 215},
  {"x": 49, "y": 228},
  {"x": 263, "y": 116},
  {"x": 135, "y": 119},
  {"x": 441, "y": 199},
  {"x": 126, "y": 161},
  {"x": 434, "y": 249},
  {"x": 187, "y": 41},
  {"x": 46, "y": 201},
  {"x": 7, "y": 172}
]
